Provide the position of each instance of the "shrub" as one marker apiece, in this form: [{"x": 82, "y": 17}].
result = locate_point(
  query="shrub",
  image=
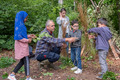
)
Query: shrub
[{"x": 5, "y": 62}]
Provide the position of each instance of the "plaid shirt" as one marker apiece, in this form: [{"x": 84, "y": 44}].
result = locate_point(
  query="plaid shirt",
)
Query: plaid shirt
[{"x": 47, "y": 43}]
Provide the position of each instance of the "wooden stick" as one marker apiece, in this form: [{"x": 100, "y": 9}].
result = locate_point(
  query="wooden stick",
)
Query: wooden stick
[
  {"x": 82, "y": 50},
  {"x": 113, "y": 49}
]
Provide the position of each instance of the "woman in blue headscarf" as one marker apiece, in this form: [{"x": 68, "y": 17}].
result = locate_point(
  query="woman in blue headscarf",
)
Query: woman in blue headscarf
[{"x": 21, "y": 45}]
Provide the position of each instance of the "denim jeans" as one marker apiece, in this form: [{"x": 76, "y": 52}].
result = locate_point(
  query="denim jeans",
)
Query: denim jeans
[
  {"x": 76, "y": 57},
  {"x": 66, "y": 36},
  {"x": 102, "y": 60}
]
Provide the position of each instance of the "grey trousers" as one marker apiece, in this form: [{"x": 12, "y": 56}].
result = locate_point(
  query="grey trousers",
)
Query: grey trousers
[{"x": 102, "y": 60}]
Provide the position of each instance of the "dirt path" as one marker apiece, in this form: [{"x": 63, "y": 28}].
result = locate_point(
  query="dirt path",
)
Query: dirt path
[{"x": 90, "y": 70}]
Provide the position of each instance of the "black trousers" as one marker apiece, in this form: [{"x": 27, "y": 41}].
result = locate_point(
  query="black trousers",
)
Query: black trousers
[{"x": 24, "y": 61}]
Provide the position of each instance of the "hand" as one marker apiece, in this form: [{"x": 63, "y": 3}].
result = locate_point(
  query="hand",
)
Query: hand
[
  {"x": 29, "y": 40},
  {"x": 91, "y": 36},
  {"x": 72, "y": 39},
  {"x": 33, "y": 36},
  {"x": 60, "y": 15},
  {"x": 64, "y": 45},
  {"x": 86, "y": 33},
  {"x": 70, "y": 29}
]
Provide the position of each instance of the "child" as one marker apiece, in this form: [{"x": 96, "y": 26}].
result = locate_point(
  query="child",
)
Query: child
[
  {"x": 63, "y": 20},
  {"x": 21, "y": 45},
  {"x": 102, "y": 45},
  {"x": 76, "y": 47}
]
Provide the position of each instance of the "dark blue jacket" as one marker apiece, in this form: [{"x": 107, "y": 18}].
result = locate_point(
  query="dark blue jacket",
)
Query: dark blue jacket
[{"x": 104, "y": 35}]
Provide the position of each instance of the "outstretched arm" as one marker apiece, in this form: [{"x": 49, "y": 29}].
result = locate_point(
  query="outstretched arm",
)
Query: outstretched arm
[{"x": 94, "y": 30}]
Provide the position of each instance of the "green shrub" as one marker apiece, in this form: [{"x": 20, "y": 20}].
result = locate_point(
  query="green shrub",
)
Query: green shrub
[
  {"x": 5, "y": 62},
  {"x": 65, "y": 62},
  {"x": 70, "y": 78},
  {"x": 109, "y": 76},
  {"x": 5, "y": 75}
]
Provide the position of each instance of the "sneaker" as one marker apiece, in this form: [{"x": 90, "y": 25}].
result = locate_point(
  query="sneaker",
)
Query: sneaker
[
  {"x": 78, "y": 71},
  {"x": 74, "y": 68},
  {"x": 12, "y": 77},
  {"x": 100, "y": 77},
  {"x": 29, "y": 78}
]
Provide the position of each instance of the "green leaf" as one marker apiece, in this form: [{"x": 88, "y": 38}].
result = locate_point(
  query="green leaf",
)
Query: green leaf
[
  {"x": 4, "y": 76},
  {"x": 47, "y": 74}
]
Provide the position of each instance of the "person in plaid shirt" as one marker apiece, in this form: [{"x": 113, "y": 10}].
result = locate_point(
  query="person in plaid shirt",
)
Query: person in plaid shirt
[{"x": 49, "y": 47}]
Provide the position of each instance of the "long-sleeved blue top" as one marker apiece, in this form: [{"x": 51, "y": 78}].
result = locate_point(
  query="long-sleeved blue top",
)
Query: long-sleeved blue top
[{"x": 104, "y": 34}]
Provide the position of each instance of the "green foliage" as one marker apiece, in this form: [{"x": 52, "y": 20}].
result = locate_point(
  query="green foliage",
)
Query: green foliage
[
  {"x": 65, "y": 62},
  {"x": 5, "y": 62},
  {"x": 71, "y": 17},
  {"x": 109, "y": 76},
  {"x": 47, "y": 74},
  {"x": 7, "y": 44},
  {"x": 89, "y": 58},
  {"x": 44, "y": 34},
  {"x": 5, "y": 75},
  {"x": 70, "y": 78},
  {"x": 39, "y": 11}
]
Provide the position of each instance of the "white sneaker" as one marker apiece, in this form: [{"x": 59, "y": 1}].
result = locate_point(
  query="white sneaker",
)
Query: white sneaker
[
  {"x": 78, "y": 71},
  {"x": 29, "y": 78},
  {"x": 12, "y": 77},
  {"x": 74, "y": 68}
]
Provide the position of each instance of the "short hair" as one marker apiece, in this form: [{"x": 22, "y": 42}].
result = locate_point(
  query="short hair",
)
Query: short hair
[
  {"x": 74, "y": 22},
  {"x": 48, "y": 22},
  {"x": 63, "y": 9},
  {"x": 102, "y": 21}
]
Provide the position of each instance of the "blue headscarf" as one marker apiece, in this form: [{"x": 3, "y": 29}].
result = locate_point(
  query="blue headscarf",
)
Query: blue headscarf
[{"x": 20, "y": 31}]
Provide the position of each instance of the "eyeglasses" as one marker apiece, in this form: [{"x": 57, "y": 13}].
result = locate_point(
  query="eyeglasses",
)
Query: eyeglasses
[
  {"x": 52, "y": 25},
  {"x": 75, "y": 26}
]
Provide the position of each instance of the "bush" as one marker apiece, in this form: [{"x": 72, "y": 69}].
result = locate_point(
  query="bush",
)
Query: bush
[
  {"x": 109, "y": 76},
  {"x": 65, "y": 62},
  {"x": 5, "y": 62}
]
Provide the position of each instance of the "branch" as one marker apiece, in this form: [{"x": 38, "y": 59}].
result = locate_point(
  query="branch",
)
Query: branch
[
  {"x": 100, "y": 4},
  {"x": 93, "y": 3}
]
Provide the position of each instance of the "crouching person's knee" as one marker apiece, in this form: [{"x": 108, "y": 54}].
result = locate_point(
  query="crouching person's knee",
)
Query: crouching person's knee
[{"x": 55, "y": 58}]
